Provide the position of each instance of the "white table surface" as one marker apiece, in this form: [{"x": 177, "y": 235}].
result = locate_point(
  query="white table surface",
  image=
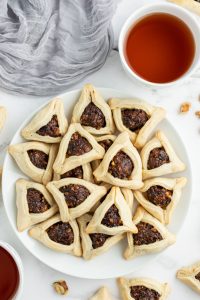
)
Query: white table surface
[{"x": 38, "y": 277}]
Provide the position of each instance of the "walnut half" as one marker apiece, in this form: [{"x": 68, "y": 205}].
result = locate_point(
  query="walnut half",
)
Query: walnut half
[
  {"x": 61, "y": 287},
  {"x": 197, "y": 113},
  {"x": 185, "y": 107}
]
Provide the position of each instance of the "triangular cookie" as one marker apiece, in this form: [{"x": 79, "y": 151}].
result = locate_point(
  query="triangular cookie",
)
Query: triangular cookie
[
  {"x": 78, "y": 147},
  {"x": 152, "y": 236},
  {"x": 59, "y": 236},
  {"x": 121, "y": 165},
  {"x": 160, "y": 196},
  {"x": 191, "y": 276},
  {"x": 159, "y": 158},
  {"x": 94, "y": 244},
  {"x": 143, "y": 288},
  {"x": 136, "y": 117},
  {"x": 48, "y": 125},
  {"x": 102, "y": 294},
  {"x": 92, "y": 112},
  {"x": 2, "y": 116},
  {"x": 34, "y": 204},
  {"x": 113, "y": 216},
  {"x": 35, "y": 159},
  {"x": 74, "y": 196}
]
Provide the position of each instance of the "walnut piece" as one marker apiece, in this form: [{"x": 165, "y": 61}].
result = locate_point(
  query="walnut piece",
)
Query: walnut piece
[
  {"x": 185, "y": 107},
  {"x": 61, "y": 287},
  {"x": 197, "y": 113}
]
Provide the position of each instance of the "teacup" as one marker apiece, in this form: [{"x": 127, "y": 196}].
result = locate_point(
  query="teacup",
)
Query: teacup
[
  {"x": 188, "y": 18},
  {"x": 17, "y": 260}
]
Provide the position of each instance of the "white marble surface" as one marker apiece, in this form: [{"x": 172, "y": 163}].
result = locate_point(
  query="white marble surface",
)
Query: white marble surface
[{"x": 38, "y": 277}]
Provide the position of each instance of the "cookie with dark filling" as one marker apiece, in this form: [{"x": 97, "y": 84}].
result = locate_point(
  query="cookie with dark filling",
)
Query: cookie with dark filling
[
  {"x": 34, "y": 204},
  {"x": 159, "y": 196},
  {"x": 36, "y": 201},
  {"x": 51, "y": 128},
  {"x": 121, "y": 166},
  {"x": 190, "y": 275},
  {"x": 134, "y": 119},
  {"x": 98, "y": 239},
  {"x": 93, "y": 112},
  {"x": 112, "y": 217},
  {"x": 157, "y": 158},
  {"x": 147, "y": 234},
  {"x": 61, "y": 233},
  {"x": 74, "y": 194},
  {"x": 57, "y": 235},
  {"x": 38, "y": 158},
  {"x": 142, "y": 289},
  {"x": 48, "y": 125},
  {"x": 140, "y": 292},
  {"x": 93, "y": 116},
  {"x": 78, "y": 145},
  {"x": 35, "y": 159},
  {"x": 152, "y": 236}
]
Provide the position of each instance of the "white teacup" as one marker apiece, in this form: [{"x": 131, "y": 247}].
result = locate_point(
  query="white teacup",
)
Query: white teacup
[
  {"x": 18, "y": 262},
  {"x": 188, "y": 18}
]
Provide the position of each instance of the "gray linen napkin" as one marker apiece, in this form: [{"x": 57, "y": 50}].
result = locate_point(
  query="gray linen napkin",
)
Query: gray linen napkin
[{"x": 48, "y": 45}]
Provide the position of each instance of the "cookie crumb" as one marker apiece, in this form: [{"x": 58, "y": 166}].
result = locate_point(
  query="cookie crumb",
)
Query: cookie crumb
[
  {"x": 185, "y": 107},
  {"x": 197, "y": 113},
  {"x": 61, "y": 287}
]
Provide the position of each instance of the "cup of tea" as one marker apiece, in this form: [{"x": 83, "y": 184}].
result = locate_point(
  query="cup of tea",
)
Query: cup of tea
[
  {"x": 159, "y": 45},
  {"x": 11, "y": 273}
]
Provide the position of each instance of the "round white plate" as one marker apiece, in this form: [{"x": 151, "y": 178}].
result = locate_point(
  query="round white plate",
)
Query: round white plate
[{"x": 112, "y": 263}]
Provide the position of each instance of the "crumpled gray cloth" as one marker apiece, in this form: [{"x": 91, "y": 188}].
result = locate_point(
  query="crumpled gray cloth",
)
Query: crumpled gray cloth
[{"x": 48, "y": 45}]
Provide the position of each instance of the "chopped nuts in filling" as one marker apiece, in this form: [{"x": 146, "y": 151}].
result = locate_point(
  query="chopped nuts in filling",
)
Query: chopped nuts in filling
[
  {"x": 76, "y": 173},
  {"x": 147, "y": 234},
  {"x": 134, "y": 119},
  {"x": 157, "y": 158},
  {"x": 140, "y": 292},
  {"x": 93, "y": 117},
  {"x": 78, "y": 145},
  {"x": 106, "y": 144},
  {"x": 61, "y": 233},
  {"x": 74, "y": 194},
  {"x": 36, "y": 201},
  {"x": 121, "y": 166},
  {"x": 112, "y": 217},
  {"x": 198, "y": 276},
  {"x": 38, "y": 158},
  {"x": 159, "y": 196},
  {"x": 51, "y": 129},
  {"x": 98, "y": 239}
]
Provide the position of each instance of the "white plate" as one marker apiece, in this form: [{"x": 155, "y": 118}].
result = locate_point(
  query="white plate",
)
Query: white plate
[{"x": 110, "y": 264}]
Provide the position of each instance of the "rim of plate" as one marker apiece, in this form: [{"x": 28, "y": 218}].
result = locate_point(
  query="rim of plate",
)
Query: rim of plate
[{"x": 151, "y": 257}]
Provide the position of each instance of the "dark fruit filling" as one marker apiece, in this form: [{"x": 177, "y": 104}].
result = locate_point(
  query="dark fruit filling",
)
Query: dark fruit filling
[{"x": 74, "y": 194}]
